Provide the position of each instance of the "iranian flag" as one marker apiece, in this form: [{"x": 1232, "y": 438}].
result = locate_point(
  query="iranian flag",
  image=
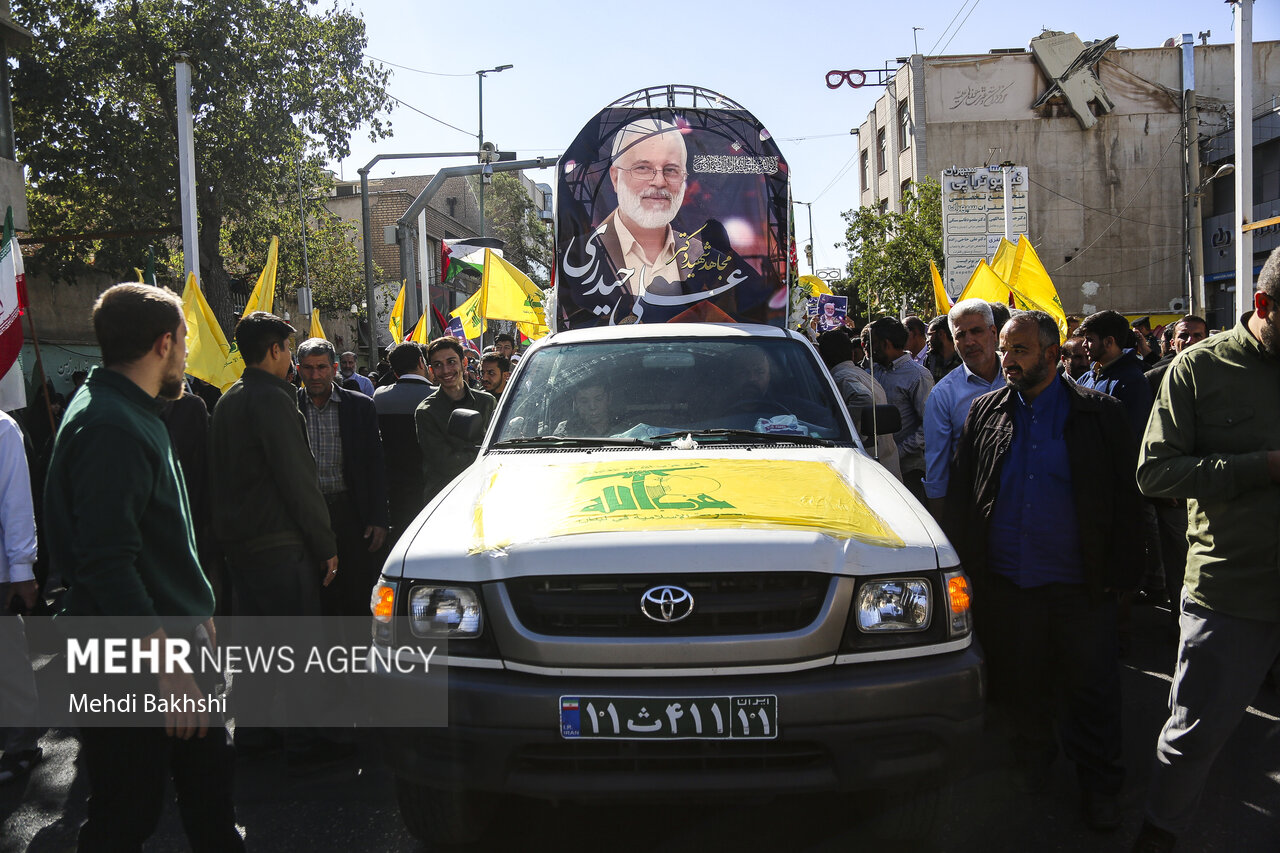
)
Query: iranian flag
[
  {"x": 13, "y": 302},
  {"x": 467, "y": 254}
]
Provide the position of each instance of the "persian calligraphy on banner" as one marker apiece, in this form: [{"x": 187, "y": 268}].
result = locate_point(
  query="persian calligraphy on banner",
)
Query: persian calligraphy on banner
[{"x": 671, "y": 214}]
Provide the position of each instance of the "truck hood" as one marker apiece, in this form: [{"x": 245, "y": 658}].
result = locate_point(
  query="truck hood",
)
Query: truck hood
[{"x": 639, "y": 511}]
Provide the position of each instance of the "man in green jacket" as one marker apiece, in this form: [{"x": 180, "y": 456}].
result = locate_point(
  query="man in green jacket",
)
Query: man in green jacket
[
  {"x": 119, "y": 532},
  {"x": 1213, "y": 440},
  {"x": 445, "y": 456}
]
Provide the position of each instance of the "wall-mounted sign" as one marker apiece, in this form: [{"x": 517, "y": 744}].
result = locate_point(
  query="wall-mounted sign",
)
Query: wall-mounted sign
[{"x": 973, "y": 217}]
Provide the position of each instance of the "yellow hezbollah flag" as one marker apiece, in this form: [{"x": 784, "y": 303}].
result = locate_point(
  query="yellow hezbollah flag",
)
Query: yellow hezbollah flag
[
  {"x": 532, "y": 331},
  {"x": 419, "y": 335},
  {"x": 469, "y": 313},
  {"x": 263, "y": 297},
  {"x": 208, "y": 355},
  {"x": 634, "y": 495},
  {"x": 1002, "y": 260},
  {"x": 941, "y": 302},
  {"x": 508, "y": 294},
  {"x": 985, "y": 284},
  {"x": 813, "y": 286},
  {"x": 317, "y": 330},
  {"x": 396, "y": 324},
  {"x": 1031, "y": 286}
]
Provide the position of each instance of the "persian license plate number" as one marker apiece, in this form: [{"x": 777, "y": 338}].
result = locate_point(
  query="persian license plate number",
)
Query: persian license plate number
[{"x": 695, "y": 718}]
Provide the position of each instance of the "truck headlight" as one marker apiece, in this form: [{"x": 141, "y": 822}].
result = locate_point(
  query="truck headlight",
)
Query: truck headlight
[
  {"x": 444, "y": 611},
  {"x": 898, "y": 604}
]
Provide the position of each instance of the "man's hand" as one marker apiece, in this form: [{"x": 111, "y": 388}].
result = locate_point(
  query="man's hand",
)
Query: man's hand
[
  {"x": 28, "y": 591},
  {"x": 180, "y": 723},
  {"x": 376, "y": 536},
  {"x": 1273, "y": 465},
  {"x": 330, "y": 570},
  {"x": 213, "y": 633}
]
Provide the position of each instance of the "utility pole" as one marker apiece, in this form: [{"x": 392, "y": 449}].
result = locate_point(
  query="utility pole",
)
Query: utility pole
[
  {"x": 305, "y": 305},
  {"x": 809, "y": 205},
  {"x": 480, "y": 152},
  {"x": 1244, "y": 158},
  {"x": 187, "y": 167}
]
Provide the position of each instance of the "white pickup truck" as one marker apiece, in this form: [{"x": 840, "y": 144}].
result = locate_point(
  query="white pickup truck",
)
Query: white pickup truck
[{"x": 673, "y": 569}]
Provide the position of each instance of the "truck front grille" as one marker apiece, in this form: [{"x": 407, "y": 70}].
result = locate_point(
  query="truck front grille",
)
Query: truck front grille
[{"x": 723, "y": 604}]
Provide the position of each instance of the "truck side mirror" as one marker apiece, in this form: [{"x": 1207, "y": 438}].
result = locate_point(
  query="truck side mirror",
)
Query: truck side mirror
[
  {"x": 878, "y": 420},
  {"x": 468, "y": 425}
]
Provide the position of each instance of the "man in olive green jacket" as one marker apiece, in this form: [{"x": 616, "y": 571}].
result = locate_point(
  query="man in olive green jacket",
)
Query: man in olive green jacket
[
  {"x": 445, "y": 456},
  {"x": 1213, "y": 440}
]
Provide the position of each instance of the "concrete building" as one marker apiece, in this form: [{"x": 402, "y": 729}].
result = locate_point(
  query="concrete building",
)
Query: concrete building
[{"x": 1103, "y": 144}]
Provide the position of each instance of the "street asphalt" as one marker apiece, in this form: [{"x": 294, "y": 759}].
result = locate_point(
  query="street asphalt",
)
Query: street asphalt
[{"x": 353, "y": 808}]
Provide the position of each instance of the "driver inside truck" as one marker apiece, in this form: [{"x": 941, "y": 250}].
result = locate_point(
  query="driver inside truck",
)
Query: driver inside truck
[{"x": 592, "y": 412}]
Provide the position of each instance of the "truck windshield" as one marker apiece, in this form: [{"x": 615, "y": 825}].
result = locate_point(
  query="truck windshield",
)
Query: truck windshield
[{"x": 642, "y": 389}]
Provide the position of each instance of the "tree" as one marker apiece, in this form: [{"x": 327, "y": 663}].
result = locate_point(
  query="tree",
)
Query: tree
[
  {"x": 890, "y": 252},
  {"x": 275, "y": 84},
  {"x": 512, "y": 217}
]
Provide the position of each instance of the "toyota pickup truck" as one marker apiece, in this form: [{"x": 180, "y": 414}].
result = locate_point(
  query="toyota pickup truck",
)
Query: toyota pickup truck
[{"x": 672, "y": 570}]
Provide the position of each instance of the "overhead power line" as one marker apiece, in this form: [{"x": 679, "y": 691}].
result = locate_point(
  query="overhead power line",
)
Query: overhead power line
[
  {"x": 426, "y": 114},
  {"x": 415, "y": 70}
]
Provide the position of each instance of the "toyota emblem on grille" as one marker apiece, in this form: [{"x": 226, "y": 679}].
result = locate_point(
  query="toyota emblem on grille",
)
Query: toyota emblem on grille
[{"x": 666, "y": 603}]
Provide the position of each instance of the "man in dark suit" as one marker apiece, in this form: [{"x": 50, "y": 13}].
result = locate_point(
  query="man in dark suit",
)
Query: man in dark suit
[
  {"x": 396, "y": 405},
  {"x": 342, "y": 427}
]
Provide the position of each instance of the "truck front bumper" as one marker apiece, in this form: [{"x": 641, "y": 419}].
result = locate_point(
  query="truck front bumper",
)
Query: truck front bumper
[{"x": 880, "y": 724}]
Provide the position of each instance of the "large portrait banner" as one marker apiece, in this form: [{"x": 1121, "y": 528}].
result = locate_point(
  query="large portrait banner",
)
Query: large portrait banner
[{"x": 668, "y": 214}]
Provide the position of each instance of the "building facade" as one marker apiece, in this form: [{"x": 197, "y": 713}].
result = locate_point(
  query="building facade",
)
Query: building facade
[{"x": 1111, "y": 165}]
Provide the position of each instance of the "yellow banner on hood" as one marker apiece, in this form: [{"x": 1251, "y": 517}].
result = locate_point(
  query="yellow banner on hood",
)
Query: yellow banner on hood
[{"x": 633, "y": 496}]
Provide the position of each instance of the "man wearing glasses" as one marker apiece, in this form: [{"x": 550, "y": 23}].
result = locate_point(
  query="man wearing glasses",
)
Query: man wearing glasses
[{"x": 648, "y": 174}]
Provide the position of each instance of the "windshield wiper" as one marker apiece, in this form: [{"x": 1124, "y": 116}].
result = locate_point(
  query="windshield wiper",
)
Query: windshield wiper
[
  {"x": 572, "y": 441},
  {"x": 766, "y": 437}
]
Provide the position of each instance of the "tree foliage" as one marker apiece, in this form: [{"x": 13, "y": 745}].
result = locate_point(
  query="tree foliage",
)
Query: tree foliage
[
  {"x": 512, "y": 216},
  {"x": 890, "y": 252},
  {"x": 276, "y": 83}
]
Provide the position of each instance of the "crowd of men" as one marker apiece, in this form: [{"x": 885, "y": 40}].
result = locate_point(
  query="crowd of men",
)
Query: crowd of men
[
  {"x": 1077, "y": 476},
  {"x": 280, "y": 501},
  {"x": 1068, "y": 474}
]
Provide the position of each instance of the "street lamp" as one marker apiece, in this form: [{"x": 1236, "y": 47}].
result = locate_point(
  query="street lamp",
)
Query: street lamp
[{"x": 480, "y": 135}]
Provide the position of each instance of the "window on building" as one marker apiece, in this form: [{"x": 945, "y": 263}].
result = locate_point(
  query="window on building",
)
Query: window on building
[
  {"x": 904, "y": 125},
  {"x": 905, "y": 190},
  {"x": 882, "y": 152},
  {"x": 866, "y": 170}
]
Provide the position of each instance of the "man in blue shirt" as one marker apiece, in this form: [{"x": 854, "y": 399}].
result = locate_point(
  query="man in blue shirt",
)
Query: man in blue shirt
[
  {"x": 974, "y": 331},
  {"x": 1043, "y": 509}
]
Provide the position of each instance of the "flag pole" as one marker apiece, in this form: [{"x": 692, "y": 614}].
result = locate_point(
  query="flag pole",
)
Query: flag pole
[{"x": 44, "y": 391}]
